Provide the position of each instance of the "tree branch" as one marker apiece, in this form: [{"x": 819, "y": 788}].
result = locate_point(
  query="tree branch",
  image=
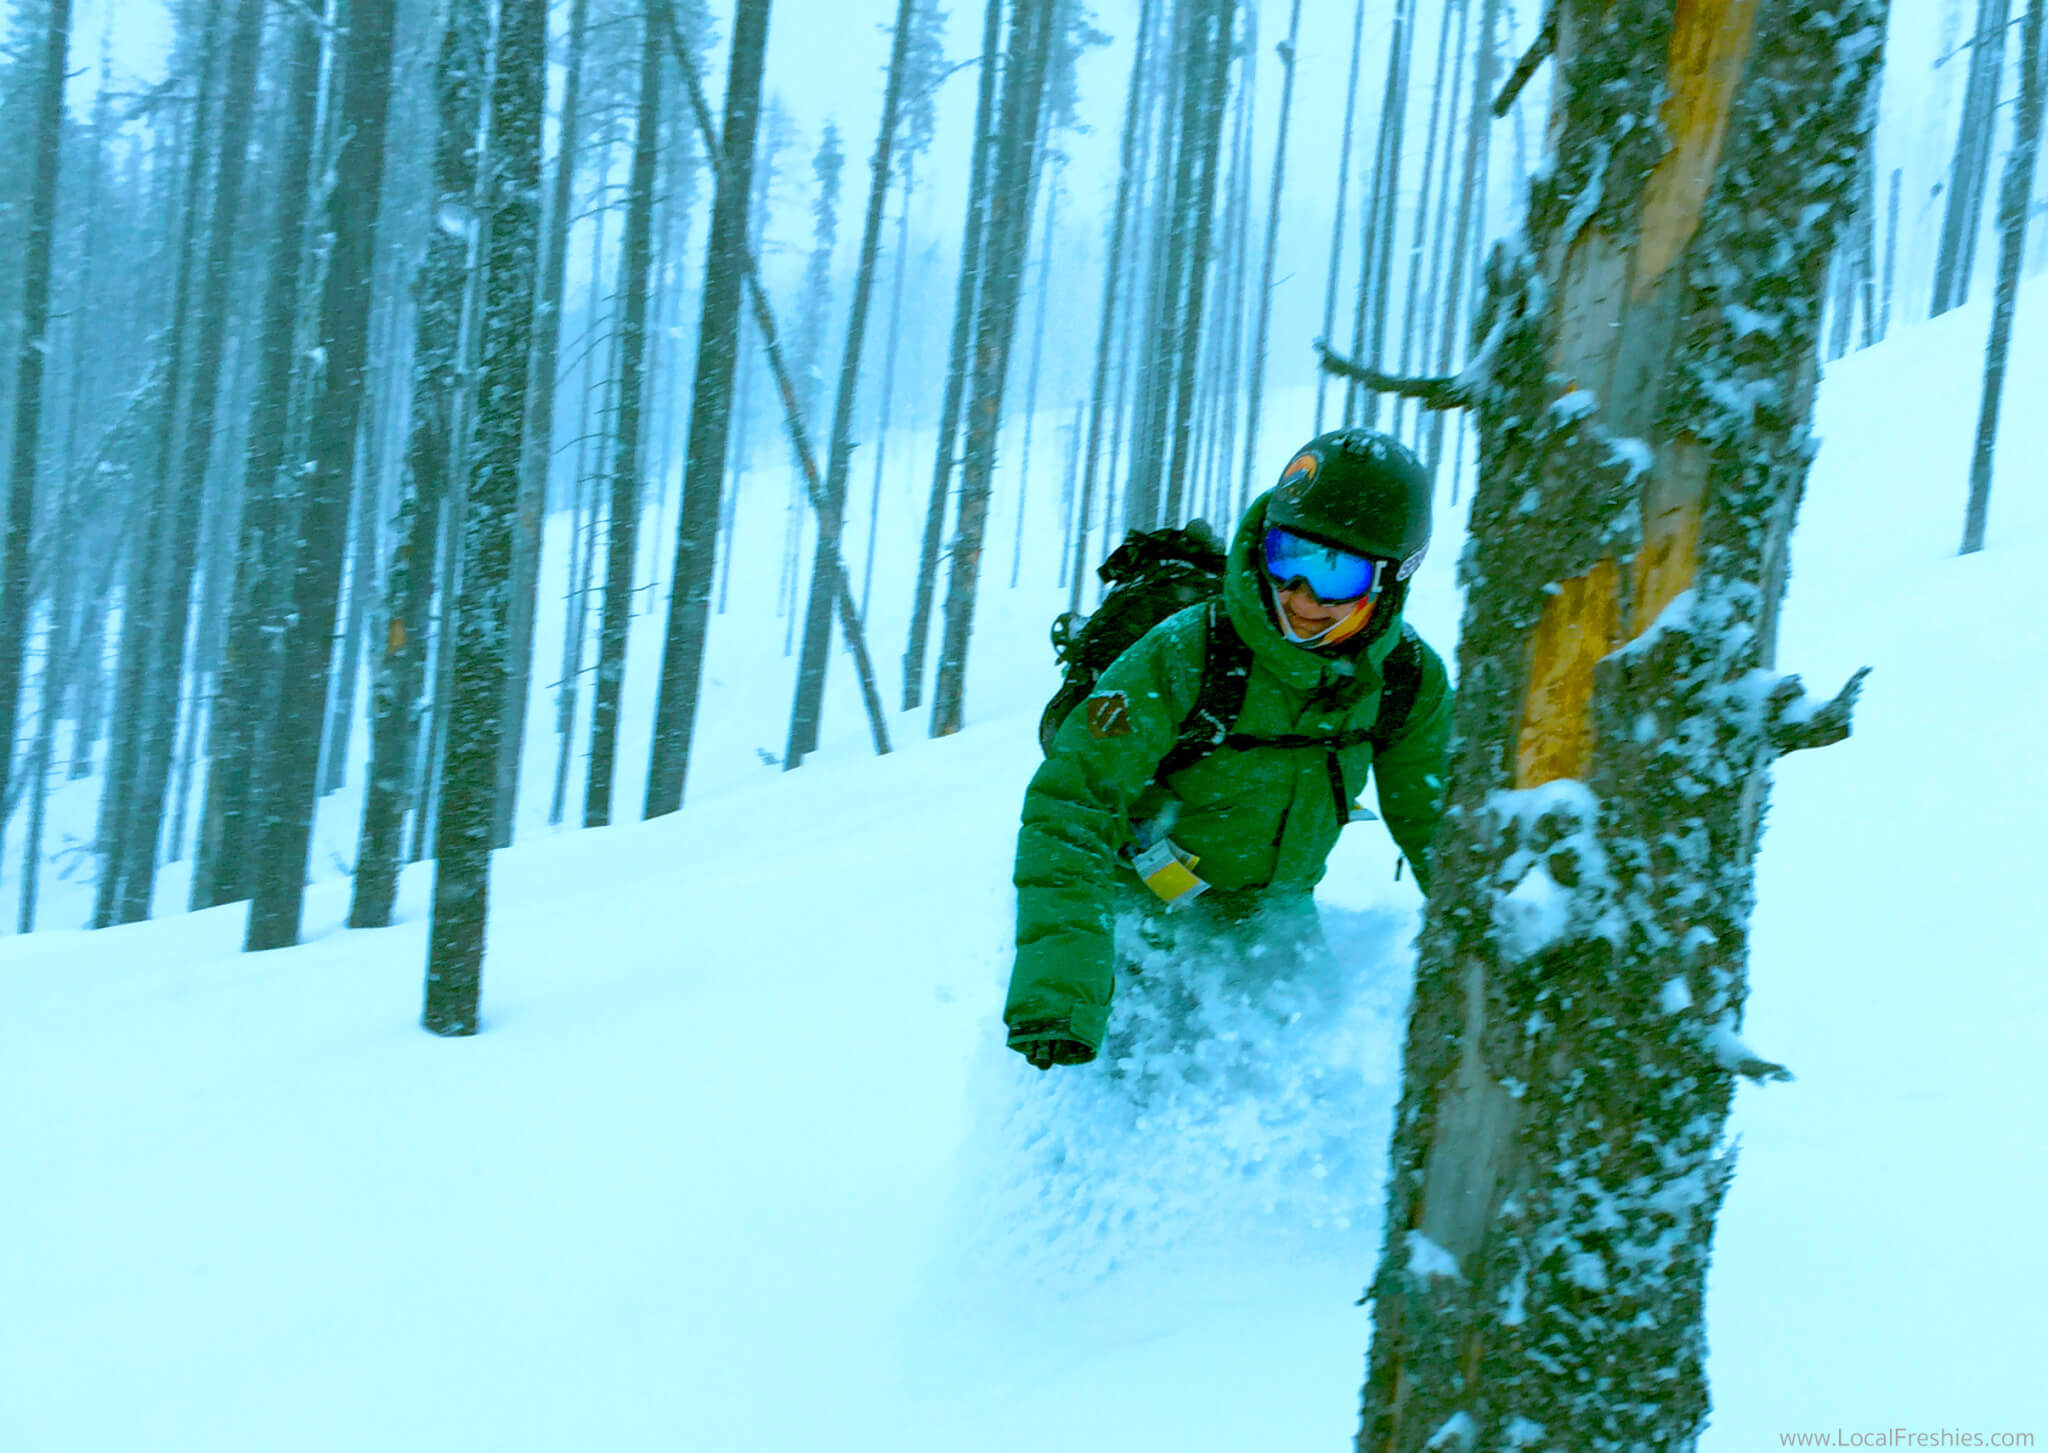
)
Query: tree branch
[
  {"x": 1794, "y": 725},
  {"x": 1538, "y": 52},
  {"x": 1435, "y": 393}
]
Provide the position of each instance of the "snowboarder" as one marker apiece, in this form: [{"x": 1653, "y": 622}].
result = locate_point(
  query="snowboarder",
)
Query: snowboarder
[{"x": 1194, "y": 795}]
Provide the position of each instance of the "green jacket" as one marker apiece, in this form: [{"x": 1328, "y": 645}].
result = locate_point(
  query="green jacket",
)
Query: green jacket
[{"x": 1262, "y": 821}]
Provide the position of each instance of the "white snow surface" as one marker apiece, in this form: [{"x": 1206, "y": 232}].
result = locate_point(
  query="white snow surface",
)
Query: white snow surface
[{"x": 739, "y": 1162}]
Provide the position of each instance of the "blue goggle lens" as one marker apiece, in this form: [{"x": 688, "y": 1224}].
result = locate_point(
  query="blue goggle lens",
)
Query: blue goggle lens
[{"x": 1330, "y": 573}]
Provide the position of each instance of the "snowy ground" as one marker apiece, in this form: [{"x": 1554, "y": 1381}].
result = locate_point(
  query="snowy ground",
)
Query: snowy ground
[{"x": 739, "y": 1163}]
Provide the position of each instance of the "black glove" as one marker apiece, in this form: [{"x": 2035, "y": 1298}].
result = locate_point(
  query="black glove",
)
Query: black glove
[{"x": 1049, "y": 1042}]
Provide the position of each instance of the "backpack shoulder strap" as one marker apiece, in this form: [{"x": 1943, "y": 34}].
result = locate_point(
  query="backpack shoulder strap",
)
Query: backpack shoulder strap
[
  {"x": 1401, "y": 685},
  {"x": 1226, "y": 672}
]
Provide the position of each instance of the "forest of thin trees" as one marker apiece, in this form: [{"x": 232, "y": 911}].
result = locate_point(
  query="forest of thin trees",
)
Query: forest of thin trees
[{"x": 375, "y": 343}]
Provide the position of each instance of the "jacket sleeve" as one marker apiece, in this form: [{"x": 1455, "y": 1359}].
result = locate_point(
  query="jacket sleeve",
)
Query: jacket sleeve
[
  {"x": 1411, "y": 772},
  {"x": 1076, "y": 819}
]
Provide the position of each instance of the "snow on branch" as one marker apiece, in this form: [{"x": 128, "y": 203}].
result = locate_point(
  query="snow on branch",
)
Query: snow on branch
[
  {"x": 1793, "y": 723},
  {"x": 1434, "y": 393}
]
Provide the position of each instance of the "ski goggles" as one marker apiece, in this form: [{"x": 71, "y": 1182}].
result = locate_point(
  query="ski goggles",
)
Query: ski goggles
[{"x": 1332, "y": 574}]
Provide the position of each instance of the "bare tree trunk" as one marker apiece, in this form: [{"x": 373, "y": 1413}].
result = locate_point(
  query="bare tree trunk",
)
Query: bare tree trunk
[
  {"x": 1343, "y": 191},
  {"x": 973, "y": 268},
  {"x": 1376, "y": 269},
  {"x": 890, "y": 348},
  {"x": 349, "y": 645},
  {"x": 248, "y": 666},
  {"x": 1971, "y": 166},
  {"x": 682, "y": 657},
  {"x": 1891, "y": 257},
  {"x": 1052, "y": 204},
  {"x": 1217, "y": 30},
  {"x": 1414, "y": 324},
  {"x": 622, "y": 542},
  {"x": 1263, "y": 331},
  {"x": 538, "y": 446},
  {"x": 280, "y": 877},
  {"x": 477, "y": 705},
  {"x": 1122, "y": 223},
  {"x": 433, "y": 454},
  {"x": 146, "y": 705},
  {"x": 808, "y": 708},
  {"x": 28, "y": 381},
  {"x": 1473, "y": 173},
  {"x": 1558, "y": 1161},
  {"x": 1009, "y": 228},
  {"x": 2012, "y": 241}
]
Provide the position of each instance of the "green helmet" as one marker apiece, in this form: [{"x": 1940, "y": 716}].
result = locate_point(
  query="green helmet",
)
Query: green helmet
[{"x": 1359, "y": 489}]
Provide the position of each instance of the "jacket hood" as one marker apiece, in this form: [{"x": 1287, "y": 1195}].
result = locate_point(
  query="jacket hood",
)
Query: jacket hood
[{"x": 1302, "y": 667}]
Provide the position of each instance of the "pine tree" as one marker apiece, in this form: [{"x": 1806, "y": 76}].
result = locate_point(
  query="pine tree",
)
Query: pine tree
[{"x": 1557, "y": 1161}]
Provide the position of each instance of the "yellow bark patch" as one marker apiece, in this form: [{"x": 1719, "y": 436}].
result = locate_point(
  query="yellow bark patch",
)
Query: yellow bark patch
[
  {"x": 1576, "y": 630},
  {"x": 1710, "y": 46}
]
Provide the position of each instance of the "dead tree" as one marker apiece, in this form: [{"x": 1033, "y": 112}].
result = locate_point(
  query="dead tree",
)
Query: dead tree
[{"x": 1643, "y": 391}]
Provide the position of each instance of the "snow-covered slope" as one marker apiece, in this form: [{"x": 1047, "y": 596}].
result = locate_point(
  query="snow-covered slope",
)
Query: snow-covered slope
[{"x": 739, "y": 1163}]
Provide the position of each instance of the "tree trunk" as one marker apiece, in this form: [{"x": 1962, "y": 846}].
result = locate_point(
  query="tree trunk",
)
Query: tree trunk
[
  {"x": 1557, "y": 1158},
  {"x": 1216, "y": 31},
  {"x": 1470, "y": 201},
  {"x": 1378, "y": 240},
  {"x": 432, "y": 455},
  {"x": 248, "y": 665},
  {"x": 538, "y": 437},
  {"x": 2012, "y": 240},
  {"x": 1052, "y": 202},
  {"x": 622, "y": 541},
  {"x": 1343, "y": 191},
  {"x": 290, "y": 797},
  {"x": 349, "y": 645},
  {"x": 28, "y": 381},
  {"x": 146, "y": 705},
  {"x": 1009, "y": 228},
  {"x": 890, "y": 348},
  {"x": 1971, "y": 165},
  {"x": 682, "y": 658},
  {"x": 808, "y": 709},
  {"x": 1263, "y": 330},
  {"x": 476, "y": 706},
  {"x": 973, "y": 250}
]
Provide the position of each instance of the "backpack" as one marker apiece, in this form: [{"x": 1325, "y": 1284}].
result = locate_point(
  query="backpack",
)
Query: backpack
[{"x": 1154, "y": 574}]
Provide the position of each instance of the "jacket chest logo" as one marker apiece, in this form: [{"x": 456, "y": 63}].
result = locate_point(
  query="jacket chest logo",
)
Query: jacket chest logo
[{"x": 1109, "y": 715}]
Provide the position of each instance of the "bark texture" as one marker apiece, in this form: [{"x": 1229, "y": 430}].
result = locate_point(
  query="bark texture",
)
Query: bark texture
[
  {"x": 476, "y": 705},
  {"x": 279, "y": 876},
  {"x": 1643, "y": 388}
]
